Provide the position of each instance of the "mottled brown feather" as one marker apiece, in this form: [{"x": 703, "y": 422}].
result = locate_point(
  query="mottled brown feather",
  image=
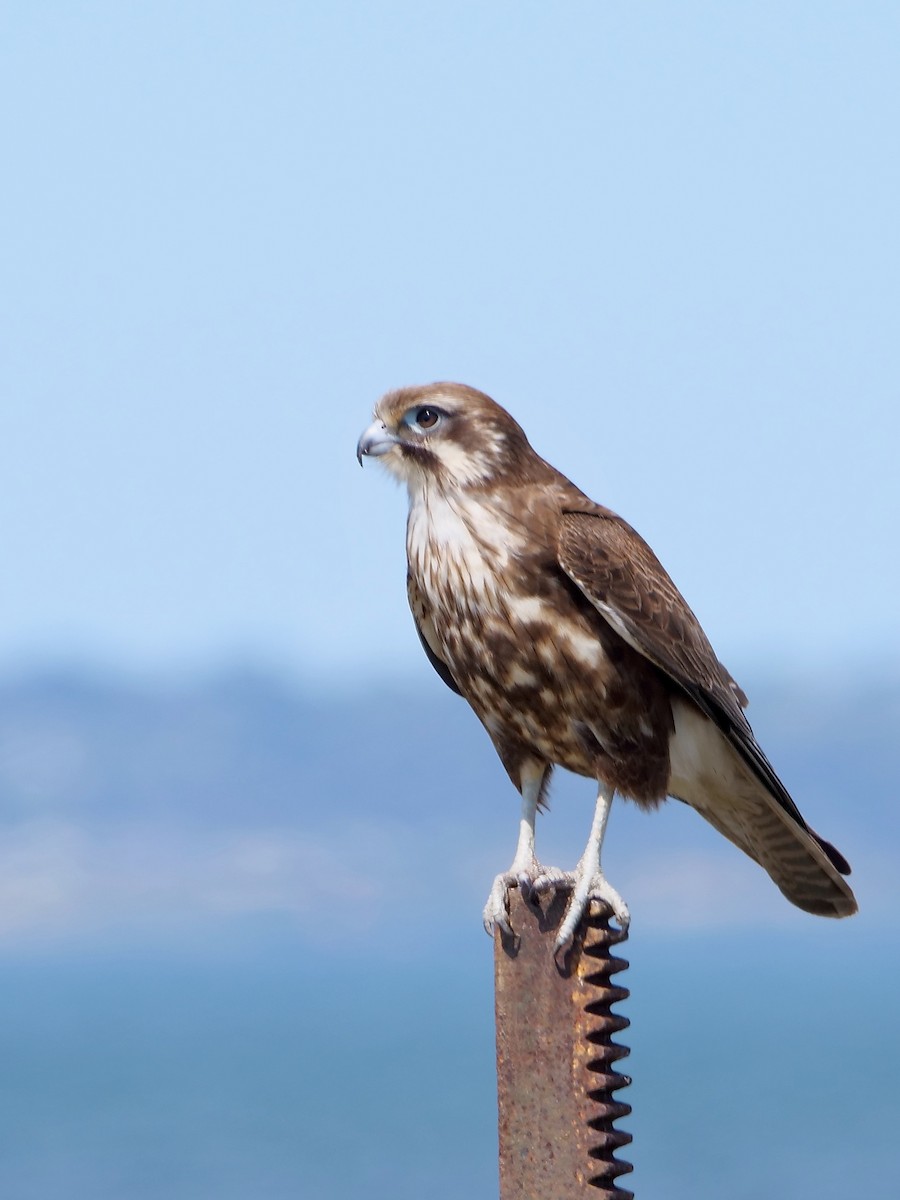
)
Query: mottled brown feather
[
  {"x": 620, "y": 574},
  {"x": 557, "y": 623},
  {"x": 614, "y": 566}
]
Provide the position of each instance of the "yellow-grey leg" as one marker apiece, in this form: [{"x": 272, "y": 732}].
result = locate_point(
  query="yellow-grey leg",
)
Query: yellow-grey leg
[
  {"x": 588, "y": 881},
  {"x": 525, "y": 868}
]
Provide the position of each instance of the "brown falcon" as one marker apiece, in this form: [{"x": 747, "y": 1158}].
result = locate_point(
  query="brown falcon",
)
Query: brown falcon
[{"x": 559, "y": 625}]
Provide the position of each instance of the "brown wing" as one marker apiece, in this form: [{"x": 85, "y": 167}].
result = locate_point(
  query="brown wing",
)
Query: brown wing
[{"x": 621, "y": 576}]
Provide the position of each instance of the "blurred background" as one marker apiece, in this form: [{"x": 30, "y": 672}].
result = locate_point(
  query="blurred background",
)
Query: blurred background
[{"x": 245, "y": 832}]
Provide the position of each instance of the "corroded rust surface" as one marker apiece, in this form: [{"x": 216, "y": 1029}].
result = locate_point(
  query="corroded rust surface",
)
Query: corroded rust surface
[{"x": 556, "y": 1074}]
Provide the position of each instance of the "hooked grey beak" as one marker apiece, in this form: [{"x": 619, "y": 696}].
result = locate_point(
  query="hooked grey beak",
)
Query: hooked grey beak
[{"x": 375, "y": 441}]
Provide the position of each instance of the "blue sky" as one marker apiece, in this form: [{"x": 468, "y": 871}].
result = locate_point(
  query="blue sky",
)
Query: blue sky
[{"x": 665, "y": 236}]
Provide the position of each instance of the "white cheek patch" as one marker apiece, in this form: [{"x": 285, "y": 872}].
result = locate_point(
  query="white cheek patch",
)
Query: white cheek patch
[
  {"x": 396, "y": 464},
  {"x": 464, "y": 466}
]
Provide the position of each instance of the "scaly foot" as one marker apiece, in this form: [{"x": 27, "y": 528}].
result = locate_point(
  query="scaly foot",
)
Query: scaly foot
[
  {"x": 535, "y": 880},
  {"x": 532, "y": 880},
  {"x": 589, "y": 885}
]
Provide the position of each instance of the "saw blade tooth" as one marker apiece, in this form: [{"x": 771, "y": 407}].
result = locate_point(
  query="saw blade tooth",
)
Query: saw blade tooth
[{"x": 597, "y": 965}]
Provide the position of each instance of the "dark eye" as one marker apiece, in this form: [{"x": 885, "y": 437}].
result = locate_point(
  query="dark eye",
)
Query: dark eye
[{"x": 427, "y": 418}]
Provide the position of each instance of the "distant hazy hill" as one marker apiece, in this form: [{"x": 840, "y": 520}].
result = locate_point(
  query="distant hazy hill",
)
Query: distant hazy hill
[{"x": 239, "y": 794}]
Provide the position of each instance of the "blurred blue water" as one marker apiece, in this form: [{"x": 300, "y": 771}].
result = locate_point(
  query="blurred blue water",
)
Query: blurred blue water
[
  {"x": 761, "y": 1065},
  {"x": 241, "y": 956}
]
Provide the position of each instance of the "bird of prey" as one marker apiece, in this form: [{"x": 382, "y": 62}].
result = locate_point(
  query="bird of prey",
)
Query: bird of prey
[{"x": 561, "y": 628}]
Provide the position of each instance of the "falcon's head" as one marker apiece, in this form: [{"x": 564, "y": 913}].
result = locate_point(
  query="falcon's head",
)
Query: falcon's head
[{"x": 445, "y": 433}]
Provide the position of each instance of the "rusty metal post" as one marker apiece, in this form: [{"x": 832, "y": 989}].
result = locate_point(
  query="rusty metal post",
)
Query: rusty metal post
[{"x": 556, "y": 1076}]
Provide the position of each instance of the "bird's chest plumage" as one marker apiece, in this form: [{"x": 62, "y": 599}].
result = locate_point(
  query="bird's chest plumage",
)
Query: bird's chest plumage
[
  {"x": 461, "y": 554},
  {"x": 540, "y": 668}
]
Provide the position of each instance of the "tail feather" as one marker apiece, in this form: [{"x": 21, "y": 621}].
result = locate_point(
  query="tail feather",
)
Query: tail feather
[
  {"x": 710, "y": 776},
  {"x": 837, "y": 859},
  {"x": 797, "y": 863}
]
